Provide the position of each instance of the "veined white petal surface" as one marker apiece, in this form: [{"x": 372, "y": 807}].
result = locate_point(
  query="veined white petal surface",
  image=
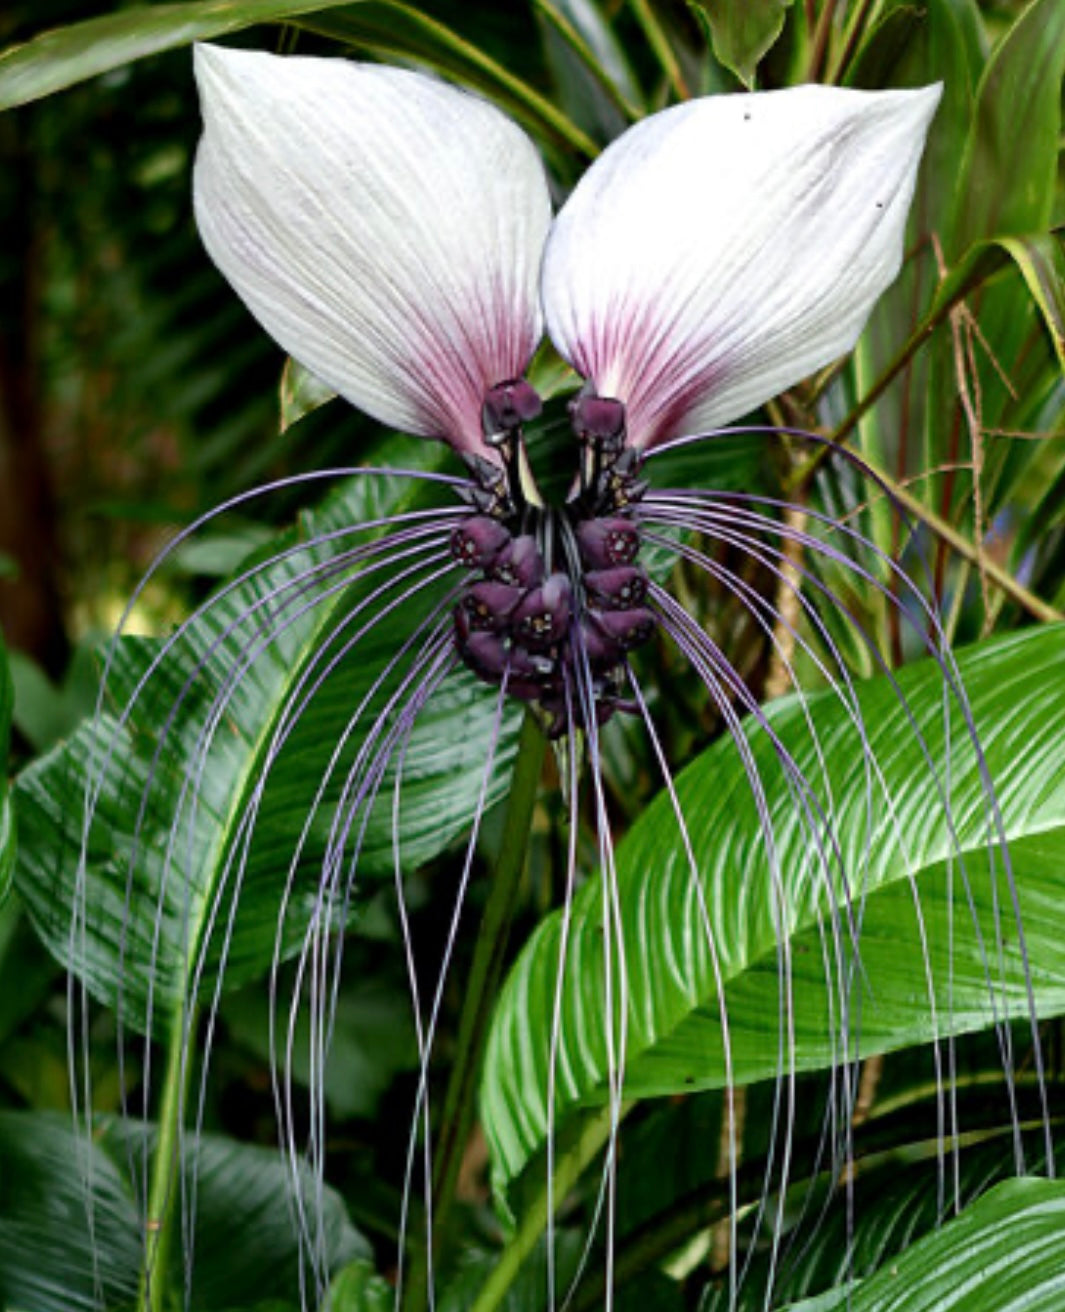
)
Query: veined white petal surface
[
  {"x": 723, "y": 249},
  {"x": 384, "y": 228}
]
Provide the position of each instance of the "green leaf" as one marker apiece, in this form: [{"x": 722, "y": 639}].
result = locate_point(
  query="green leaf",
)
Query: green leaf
[
  {"x": 372, "y": 1041},
  {"x": 1041, "y": 260},
  {"x": 27, "y": 975},
  {"x": 743, "y": 33},
  {"x": 7, "y": 812},
  {"x": 47, "y": 1253},
  {"x": 912, "y": 978},
  {"x": 45, "y": 712},
  {"x": 168, "y": 856},
  {"x": 245, "y": 1243},
  {"x": 1004, "y": 1252},
  {"x": 358, "y": 1289},
  {"x": 890, "y": 1204},
  {"x": 59, "y": 59},
  {"x": 594, "y": 79},
  {"x": 884, "y": 50},
  {"x": 529, "y": 1291},
  {"x": 391, "y": 29},
  {"x": 301, "y": 392},
  {"x": 1005, "y": 184},
  {"x": 937, "y": 51},
  {"x": 826, "y": 1302}
]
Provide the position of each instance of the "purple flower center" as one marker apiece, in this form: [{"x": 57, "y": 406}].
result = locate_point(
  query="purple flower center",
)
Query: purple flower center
[{"x": 555, "y": 601}]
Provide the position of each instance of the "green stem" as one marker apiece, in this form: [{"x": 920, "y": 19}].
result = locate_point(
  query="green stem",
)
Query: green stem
[
  {"x": 659, "y": 43},
  {"x": 489, "y": 959},
  {"x": 587, "y": 56},
  {"x": 959, "y": 543},
  {"x": 860, "y": 21},
  {"x": 820, "y": 40},
  {"x": 568, "y": 1171},
  {"x": 166, "y": 1166}
]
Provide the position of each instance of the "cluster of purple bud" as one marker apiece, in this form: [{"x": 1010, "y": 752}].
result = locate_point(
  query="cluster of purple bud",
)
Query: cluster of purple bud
[{"x": 556, "y": 599}]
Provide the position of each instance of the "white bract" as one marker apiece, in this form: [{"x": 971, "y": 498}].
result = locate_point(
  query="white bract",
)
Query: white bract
[{"x": 394, "y": 235}]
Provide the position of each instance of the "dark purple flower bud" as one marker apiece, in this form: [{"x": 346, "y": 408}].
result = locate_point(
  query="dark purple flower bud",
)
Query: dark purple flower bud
[
  {"x": 490, "y": 654},
  {"x": 626, "y": 628},
  {"x": 519, "y": 563},
  {"x": 598, "y": 419},
  {"x": 486, "y": 655},
  {"x": 488, "y": 605},
  {"x": 507, "y": 406},
  {"x": 608, "y": 542},
  {"x": 477, "y": 541},
  {"x": 603, "y": 652},
  {"x": 543, "y": 617},
  {"x": 619, "y": 588},
  {"x": 526, "y": 690}
]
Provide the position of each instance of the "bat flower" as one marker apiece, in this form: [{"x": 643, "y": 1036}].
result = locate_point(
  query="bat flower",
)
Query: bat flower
[{"x": 395, "y": 236}]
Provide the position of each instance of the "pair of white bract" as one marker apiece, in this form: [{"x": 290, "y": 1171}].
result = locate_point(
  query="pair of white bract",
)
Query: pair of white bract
[{"x": 394, "y": 235}]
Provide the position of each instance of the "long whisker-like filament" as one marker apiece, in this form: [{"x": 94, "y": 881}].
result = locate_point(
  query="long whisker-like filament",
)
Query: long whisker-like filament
[
  {"x": 427, "y": 1039},
  {"x": 719, "y": 516}
]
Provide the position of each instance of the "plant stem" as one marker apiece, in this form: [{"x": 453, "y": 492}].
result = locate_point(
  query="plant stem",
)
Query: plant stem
[
  {"x": 576, "y": 42},
  {"x": 489, "y": 958},
  {"x": 595, "y": 1134},
  {"x": 822, "y": 32},
  {"x": 166, "y": 1166},
  {"x": 659, "y": 43},
  {"x": 947, "y": 533}
]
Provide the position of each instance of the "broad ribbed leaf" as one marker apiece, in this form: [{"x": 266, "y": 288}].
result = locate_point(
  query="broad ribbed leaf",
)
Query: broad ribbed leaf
[
  {"x": 901, "y": 877},
  {"x": 184, "y": 780},
  {"x": 246, "y": 1246},
  {"x": 7, "y": 814},
  {"x": 852, "y": 1233},
  {"x": 1004, "y": 1254}
]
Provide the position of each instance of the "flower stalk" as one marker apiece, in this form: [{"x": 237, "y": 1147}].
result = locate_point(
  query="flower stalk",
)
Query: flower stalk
[
  {"x": 597, "y": 1133},
  {"x": 166, "y": 1165},
  {"x": 486, "y": 971}
]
